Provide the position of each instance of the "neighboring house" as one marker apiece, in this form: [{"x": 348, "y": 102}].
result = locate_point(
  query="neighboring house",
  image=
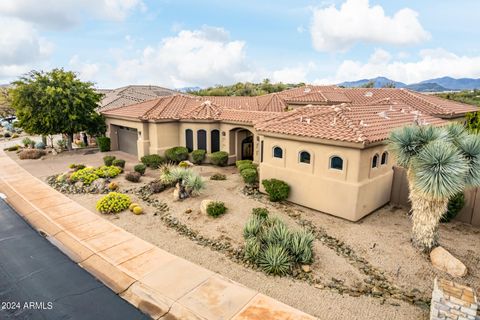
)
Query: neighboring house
[
  {"x": 327, "y": 143},
  {"x": 125, "y": 96}
]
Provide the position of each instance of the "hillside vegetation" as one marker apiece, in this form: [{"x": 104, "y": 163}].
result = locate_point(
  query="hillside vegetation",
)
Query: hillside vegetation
[
  {"x": 245, "y": 89},
  {"x": 468, "y": 96}
]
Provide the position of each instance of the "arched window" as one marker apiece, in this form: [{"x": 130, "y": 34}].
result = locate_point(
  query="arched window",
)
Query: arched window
[
  {"x": 277, "y": 152},
  {"x": 384, "y": 158},
  {"x": 375, "y": 161},
  {"x": 336, "y": 163},
  {"x": 189, "y": 140},
  {"x": 202, "y": 140},
  {"x": 304, "y": 157},
  {"x": 215, "y": 140}
]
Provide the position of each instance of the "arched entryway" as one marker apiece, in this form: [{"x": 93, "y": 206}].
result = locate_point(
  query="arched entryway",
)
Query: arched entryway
[{"x": 241, "y": 142}]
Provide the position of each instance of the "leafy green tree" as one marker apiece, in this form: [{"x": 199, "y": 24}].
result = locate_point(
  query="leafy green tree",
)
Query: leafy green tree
[
  {"x": 246, "y": 89},
  {"x": 440, "y": 163},
  {"x": 390, "y": 84},
  {"x": 56, "y": 102},
  {"x": 5, "y": 103},
  {"x": 369, "y": 84},
  {"x": 473, "y": 122}
]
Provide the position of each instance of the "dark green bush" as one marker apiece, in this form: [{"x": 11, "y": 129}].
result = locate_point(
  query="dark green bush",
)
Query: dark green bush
[
  {"x": 140, "y": 168},
  {"x": 198, "y": 156},
  {"x": 219, "y": 158},
  {"x": 108, "y": 160},
  {"x": 249, "y": 176},
  {"x": 245, "y": 166},
  {"x": 216, "y": 208},
  {"x": 455, "y": 204},
  {"x": 218, "y": 176},
  {"x": 12, "y": 148},
  {"x": 103, "y": 144},
  {"x": 133, "y": 176},
  {"x": 119, "y": 163},
  {"x": 277, "y": 190},
  {"x": 153, "y": 161},
  {"x": 176, "y": 154},
  {"x": 240, "y": 162}
]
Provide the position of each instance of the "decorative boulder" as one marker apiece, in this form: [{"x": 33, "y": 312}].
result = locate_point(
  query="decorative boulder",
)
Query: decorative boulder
[
  {"x": 445, "y": 261},
  {"x": 176, "y": 194},
  {"x": 203, "y": 206}
]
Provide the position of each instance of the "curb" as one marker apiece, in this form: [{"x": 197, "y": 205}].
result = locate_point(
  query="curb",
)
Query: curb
[{"x": 158, "y": 283}]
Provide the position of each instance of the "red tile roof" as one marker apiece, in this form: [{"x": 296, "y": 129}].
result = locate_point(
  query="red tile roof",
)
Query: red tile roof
[
  {"x": 350, "y": 123},
  {"x": 368, "y": 116}
]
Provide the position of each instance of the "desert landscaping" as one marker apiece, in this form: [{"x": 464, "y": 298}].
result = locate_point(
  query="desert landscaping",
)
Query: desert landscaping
[{"x": 369, "y": 265}]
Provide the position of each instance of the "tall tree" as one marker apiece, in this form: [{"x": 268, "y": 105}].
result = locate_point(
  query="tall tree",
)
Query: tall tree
[
  {"x": 55, "y": 102},
  {"x": 440, "y": 163},
  {"x": 5, "y": 103}
]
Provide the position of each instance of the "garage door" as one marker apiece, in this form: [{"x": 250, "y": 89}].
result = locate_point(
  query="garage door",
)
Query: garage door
[{"x": 127, "y": 140}]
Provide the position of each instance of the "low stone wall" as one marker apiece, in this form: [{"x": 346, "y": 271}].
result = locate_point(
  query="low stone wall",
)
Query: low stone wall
[{"x": 454, "y": 301}]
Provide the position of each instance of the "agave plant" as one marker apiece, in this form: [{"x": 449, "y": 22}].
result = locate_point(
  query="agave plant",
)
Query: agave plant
[
  {"x": 440, "y": 163},
  {"x": 275, "y": 260},
  {"x": 193, "y": 183},
  {"x": 301, "y": 246}
]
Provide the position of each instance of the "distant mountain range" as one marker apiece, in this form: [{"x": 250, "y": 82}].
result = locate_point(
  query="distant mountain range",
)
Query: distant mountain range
[{"x": 431, "y": 85}]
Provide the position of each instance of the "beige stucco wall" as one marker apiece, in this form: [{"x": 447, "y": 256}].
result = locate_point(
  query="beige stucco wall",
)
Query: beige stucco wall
[
  {"x": 143, "y": 132},
  {"x": 350, "y": 193}
]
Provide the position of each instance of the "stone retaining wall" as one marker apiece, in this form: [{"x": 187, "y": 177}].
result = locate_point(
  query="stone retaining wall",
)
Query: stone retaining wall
[{"x": 453, "y": 301}]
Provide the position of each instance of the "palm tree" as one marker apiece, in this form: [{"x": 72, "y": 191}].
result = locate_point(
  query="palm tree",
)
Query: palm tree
[{"x": 440, "y": 163}]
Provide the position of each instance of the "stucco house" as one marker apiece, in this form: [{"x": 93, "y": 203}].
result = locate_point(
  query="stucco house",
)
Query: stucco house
[{"x": 326, "y": 142}]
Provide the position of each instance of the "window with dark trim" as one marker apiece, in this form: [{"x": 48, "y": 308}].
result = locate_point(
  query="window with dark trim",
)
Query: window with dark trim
[
  {"x": 189, "y": 140},
  {"x": 304, "y": 157},
  {"x": 375, "y": 161},
  {"x": 215, "y": 140},
  {"x": 261, "y": 151},
  {"x": 202, "y": 140},
  {"x": 277, "y": 152},
  {"x": 384, "y": 158},
  {"x": 336, "y": 163}
]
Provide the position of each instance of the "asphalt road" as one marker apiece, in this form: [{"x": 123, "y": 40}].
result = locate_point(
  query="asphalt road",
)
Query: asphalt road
[{"x": 37, "y": 281}]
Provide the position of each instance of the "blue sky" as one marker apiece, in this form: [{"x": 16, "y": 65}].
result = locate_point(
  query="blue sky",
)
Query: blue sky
[{"x": 201, "y": 43}]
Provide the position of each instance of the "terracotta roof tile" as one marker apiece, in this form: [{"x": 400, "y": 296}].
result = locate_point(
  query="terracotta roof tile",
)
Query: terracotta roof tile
[{"x": 351, "y": 123}]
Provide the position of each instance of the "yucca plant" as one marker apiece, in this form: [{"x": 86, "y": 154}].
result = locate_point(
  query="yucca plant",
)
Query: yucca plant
[
  {"x": 253, "y": 227},
  {"x": 278, "y": 234},
  {"x": 301, "y": 246},
  {"x": 252, "y": 249},
  {"x": 440, "y": 163},
  {"x": 193, "y": 183},
  {"x": 275, "y": 260}
]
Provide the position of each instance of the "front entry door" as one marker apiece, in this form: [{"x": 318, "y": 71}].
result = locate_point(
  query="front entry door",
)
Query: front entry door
[{"x": 247, "y": 148}]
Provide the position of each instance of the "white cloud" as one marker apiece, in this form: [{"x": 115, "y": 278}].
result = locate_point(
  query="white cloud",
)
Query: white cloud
[
  {"x": 335, "y": 29},
  {"x": 292, "y": 74},
  {"x": 431, "y": 63},
  {"x": 86, "y": 70},
  {"x": 199, "y": 57},
  {"x": 65, "y": 13}
]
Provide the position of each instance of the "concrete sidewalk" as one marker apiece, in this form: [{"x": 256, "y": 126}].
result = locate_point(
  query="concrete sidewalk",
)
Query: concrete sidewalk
[{"x": 37, "y": 281}]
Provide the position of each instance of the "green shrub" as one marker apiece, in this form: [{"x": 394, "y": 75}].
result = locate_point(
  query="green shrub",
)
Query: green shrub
[
  {"x": 219, "y": 158},
  {"x": 153, "y": 161},
  {"x": 455, "y": 204},
  {"x": 113, "y": 203},
  {"x": 7, "y": 135},
  {"x": 275, "y": 260},
  {"x": 277, "y": 190},
  {"x": 62, "y": 144},
  {"x": 193, "y": 183},
  {"x": 260, "y": 212},
  {"x": 103, "y": 144},
  {"x": 31, "y": 154},
  {"x": 216, "y": 208},
  {"x": 176, "y": 154},
  {"x": 244, "y": 166},
  {"x": 133, "y": 176},
  {"x": 249, "y": 176},
  {"x": 108, "y": 171},
  {"x": 198, "y": 156},
  {"x": 85, "y": 175},
  {"x": 27, "y": 142},
  {"x": 272, "y": 246},
  {"x": 301, "y": 246},
  {"x": 119, "y": 163},
  {"x": 183, "y": 164},
  {"x": 108, "y": 160},
  {"x": 218, "y": 176},
  {"x": 12, "y": 148},
  {"x": 240, "y": 162},
  {"x": 76, "y": 166},
  {"x": 140, "y": 168}
]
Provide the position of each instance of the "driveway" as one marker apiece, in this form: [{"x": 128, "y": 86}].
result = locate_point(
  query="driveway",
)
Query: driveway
[{"x": 37, "y": 281}]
